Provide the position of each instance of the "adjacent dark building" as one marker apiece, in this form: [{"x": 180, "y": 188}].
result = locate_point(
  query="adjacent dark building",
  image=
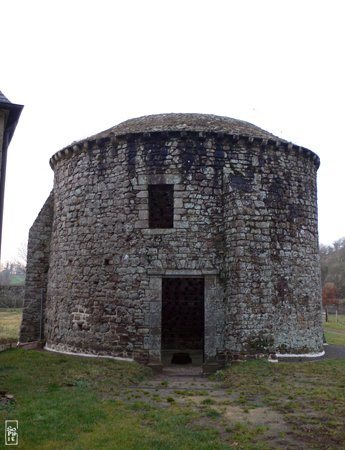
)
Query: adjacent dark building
[{"x": 9, "y": 116}]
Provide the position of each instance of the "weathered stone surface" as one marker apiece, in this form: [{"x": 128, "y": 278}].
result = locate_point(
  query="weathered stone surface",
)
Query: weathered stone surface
[
  {"x": 245, "y": 219},
  {"x": 32, "y": 328}
]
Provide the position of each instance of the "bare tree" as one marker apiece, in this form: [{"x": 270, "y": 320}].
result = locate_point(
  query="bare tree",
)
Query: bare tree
[
  {"x": 329, "y": 296},
  {"x": 22, "y": 253}
]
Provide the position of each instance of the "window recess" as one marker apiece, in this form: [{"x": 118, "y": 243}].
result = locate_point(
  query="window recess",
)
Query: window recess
[{"x": 161, "y": 205}]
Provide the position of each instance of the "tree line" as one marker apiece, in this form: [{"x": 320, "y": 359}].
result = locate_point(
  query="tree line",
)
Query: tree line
[
  {"x": 333, "y": 266},
  {"x": 332, "y": 258},
  {"x": 12, "y": 279}
]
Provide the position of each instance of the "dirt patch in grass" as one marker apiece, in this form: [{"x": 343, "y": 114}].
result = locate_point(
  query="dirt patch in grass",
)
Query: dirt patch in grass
[
  {"x": 268, "y": 423},
  {"x": 308, "y": 396},
  {"x": 219, "y": 408}
]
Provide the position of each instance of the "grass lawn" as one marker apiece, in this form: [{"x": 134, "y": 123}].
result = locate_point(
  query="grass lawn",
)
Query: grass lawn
[
  {"x": 309, "y": 396},
  {"x": 72, "y": 403},
  {"x": 335, "y": 331},
  {"x": 10, "y": 319}
]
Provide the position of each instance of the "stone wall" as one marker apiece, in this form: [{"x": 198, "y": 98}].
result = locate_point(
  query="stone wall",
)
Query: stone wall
[
  {"x": 244, "y": 219},
  {"x": 272, "y": 260},
  {"x": 32, "y": 328},
  {"x": 104, "y": 253}
]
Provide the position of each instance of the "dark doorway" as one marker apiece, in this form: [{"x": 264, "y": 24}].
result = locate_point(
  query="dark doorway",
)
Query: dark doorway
[{"x": 183, "y": 314}]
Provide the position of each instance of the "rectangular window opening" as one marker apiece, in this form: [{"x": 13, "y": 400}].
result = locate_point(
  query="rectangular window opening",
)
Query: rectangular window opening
[{"x": 161, "y": 205}]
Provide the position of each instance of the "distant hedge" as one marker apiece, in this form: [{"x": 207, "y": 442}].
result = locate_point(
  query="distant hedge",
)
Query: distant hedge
[{"x": 12, "y": 296}]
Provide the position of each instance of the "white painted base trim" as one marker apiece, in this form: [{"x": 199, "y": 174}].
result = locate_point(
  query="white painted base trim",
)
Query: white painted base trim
[
  {"x": 88, "y": 355},
  {"x": 302, "y": 355}
]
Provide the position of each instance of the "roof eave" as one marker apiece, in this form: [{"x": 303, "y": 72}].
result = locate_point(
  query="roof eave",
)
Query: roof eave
[{"x": 14, "y": 111}]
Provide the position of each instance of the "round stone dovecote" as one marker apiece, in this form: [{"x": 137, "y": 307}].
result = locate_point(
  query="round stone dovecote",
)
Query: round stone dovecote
[{"x": 178, "y": 233}]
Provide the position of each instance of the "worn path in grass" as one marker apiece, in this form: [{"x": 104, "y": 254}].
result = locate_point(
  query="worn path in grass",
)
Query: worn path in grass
[
  {"x": 334, "y": 351},
  {"x": 185, "y": 386}
]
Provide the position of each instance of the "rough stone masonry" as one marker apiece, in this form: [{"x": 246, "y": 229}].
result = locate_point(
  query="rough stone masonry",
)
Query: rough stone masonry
[{"x": 177, "y": 197}]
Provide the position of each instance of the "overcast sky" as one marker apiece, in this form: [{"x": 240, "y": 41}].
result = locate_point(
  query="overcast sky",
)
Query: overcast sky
[{"x": 80, "y": 67}]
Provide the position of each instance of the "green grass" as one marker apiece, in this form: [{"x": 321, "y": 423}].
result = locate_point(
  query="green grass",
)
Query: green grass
[
  {"x": 82, "y": 404},
  {"x": 79, "y": 403},
  {"x": 10, "y": 319},
  {"x": 17, "y": 280},
  {"x": 335, "y": 331},
  {"x": 309, "y": 395}
]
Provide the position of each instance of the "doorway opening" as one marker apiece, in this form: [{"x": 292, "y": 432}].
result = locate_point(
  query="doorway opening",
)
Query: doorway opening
[{"x": 183, "y": 320}]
